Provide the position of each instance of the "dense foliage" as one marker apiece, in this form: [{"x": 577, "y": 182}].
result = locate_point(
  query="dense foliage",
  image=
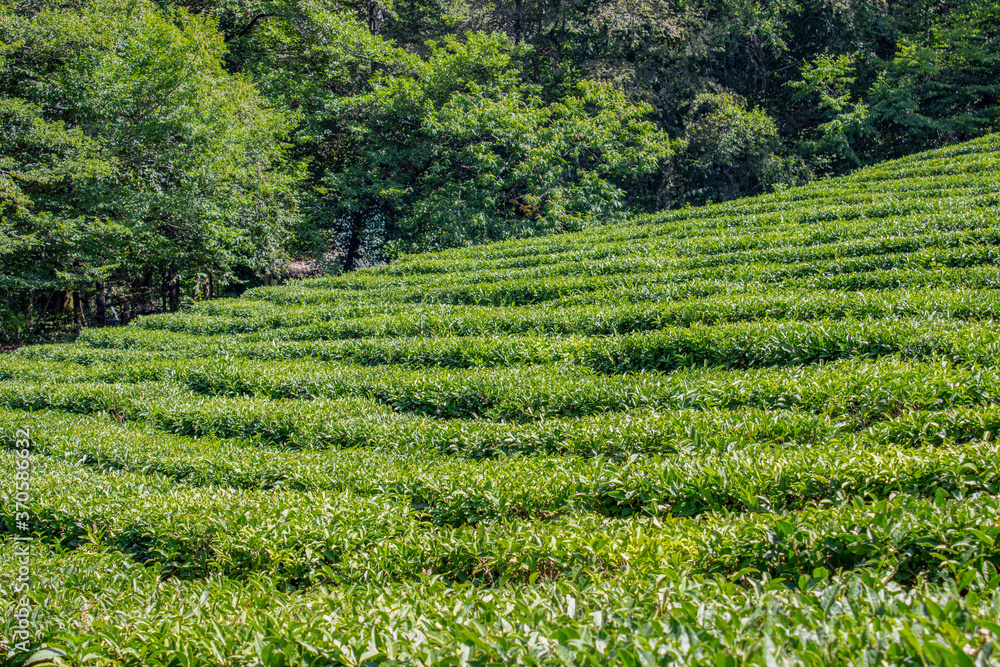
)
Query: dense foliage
[
  {"x": 456, "y": 150},
  {"x": 761, "y": 432},
  {"x": 129, "y": 152},
  {"x": 157, "y": 153}
]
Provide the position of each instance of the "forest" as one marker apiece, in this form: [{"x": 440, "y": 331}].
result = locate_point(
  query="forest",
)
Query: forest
[{"x": 154, "y": 154}]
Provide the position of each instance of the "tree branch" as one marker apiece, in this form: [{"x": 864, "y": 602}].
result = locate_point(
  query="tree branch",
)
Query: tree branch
[{"x": 253, "y": 22}]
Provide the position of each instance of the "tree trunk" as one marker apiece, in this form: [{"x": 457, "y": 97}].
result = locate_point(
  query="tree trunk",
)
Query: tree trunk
[
  {"x": 55, "y": 302},
  {"x": 69, "y": 308},
  {"x": 518, "y": 9},
  {"x": 44, "y": 312},
  {"x": 170, "y": 291},
  {"x": 354, "y": 240},
  {"x": 375, "y": 17},
  {"x": 78, "y": 317},
  {"x": 174, "y": 291},
  {"x": 147, "y": 286},
  {"x": 101, "y": 304}
]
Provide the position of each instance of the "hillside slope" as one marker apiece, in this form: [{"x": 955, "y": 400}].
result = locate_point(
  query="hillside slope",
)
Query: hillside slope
[{"x": 760, "y": 431}]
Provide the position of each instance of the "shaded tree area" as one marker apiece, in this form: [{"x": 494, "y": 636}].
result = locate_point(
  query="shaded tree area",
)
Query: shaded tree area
[{"x": 157, "y": 152}]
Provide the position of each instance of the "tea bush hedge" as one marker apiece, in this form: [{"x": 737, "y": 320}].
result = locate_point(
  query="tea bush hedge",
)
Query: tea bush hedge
[{"x": 763, "y": 432}]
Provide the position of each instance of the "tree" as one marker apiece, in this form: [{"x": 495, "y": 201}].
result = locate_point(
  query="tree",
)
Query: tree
[
  {"x": 459, "y": 150},
  {"x": 729, "y": 150},
  {"x": 168, "y": 167},
  {"x": 49, "y": 245},
  {"x": 943, "y": 84},
  {"x": 844, "y": 120}
]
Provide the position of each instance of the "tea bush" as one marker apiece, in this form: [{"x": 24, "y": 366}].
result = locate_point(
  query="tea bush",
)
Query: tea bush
[{"x": 763, "y": 432}]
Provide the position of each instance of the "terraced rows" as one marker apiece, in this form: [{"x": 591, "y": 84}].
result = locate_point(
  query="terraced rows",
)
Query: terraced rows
[{"x": 761, "y": 432}]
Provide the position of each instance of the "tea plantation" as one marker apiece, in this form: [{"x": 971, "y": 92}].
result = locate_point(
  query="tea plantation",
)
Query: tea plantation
[{"x": 763, "y": 432}]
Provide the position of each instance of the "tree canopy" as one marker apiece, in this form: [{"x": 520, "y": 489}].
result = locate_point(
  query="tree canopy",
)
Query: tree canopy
[
  {"x": 131, "y": 154},
  {"x": 154, "y": 152}
]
